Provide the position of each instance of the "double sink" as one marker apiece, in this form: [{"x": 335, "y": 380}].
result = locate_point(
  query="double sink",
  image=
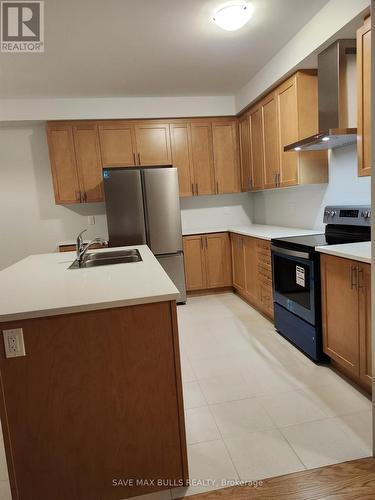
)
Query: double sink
[{"x": 107, "y": 258}]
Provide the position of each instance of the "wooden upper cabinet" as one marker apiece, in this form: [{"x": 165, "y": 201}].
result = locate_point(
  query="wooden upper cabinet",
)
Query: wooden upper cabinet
[
  {"x": 226, "y": 159},
  {"x": 271, "y": 151},
  {"x": 364, "y": 98},
  {"x": 340, "y": 312},
  {"x": 365, "y": 324},
  {"x": 63, "y": 162},
  {"x": 286, "y": 96},
  {"x": 297, "y": 100},
  {"x": 195, "y": 262},
  {"x": 218, "y": 260},
  {"x": 117, "y": 144},
  {"x": 153, "y": 144},
  {"x": 245, "y": 160},
  {"x": 256, "y": 148},
  {"x": 182, "y": 157},
  {"x": 203, "y": 168},
  {"x": 86, "y": 141}
]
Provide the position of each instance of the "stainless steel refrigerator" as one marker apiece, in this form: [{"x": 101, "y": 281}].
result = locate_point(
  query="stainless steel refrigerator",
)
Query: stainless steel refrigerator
[{"x": 143, "y": 207}]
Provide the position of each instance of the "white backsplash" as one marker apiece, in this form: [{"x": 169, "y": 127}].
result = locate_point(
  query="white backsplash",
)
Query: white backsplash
[
  {"x": 215, "y": 212},
  {"x": 303, "y": 206}
]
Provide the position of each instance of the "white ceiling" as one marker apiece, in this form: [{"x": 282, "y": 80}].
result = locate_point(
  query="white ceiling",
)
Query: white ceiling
[{"x": 149, "y": 48}]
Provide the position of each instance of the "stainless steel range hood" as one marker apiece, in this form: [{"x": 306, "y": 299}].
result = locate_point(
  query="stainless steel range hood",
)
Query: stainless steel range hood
[{"x": 332, "y": 97}]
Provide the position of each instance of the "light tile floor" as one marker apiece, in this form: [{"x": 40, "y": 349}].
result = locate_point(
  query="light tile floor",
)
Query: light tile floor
[{"x": 255, "y": 406}]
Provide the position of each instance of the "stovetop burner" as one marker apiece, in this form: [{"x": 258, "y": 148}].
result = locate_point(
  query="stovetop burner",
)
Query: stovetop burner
[{"x": 346, "y": 224}]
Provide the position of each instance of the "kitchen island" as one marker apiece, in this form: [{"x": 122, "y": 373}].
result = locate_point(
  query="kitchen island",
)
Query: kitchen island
[{"x": 94, "y": 408}]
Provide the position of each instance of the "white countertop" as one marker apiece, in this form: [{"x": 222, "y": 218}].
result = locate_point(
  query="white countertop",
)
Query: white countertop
[
  {"x": 42, "y": 285},
  {"x": 355, "y": 251},
  {"x": 262, "y": 231}
]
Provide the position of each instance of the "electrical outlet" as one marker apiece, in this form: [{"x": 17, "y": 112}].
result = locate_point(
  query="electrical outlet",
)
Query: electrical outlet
[{"x": 13, "y": 343}]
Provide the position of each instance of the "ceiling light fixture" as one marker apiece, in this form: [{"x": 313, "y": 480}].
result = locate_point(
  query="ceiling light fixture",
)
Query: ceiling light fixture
[{"x": 233, "y": 16}]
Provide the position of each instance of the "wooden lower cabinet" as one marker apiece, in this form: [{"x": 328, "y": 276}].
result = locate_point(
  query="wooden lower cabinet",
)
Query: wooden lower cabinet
[
  {"x": 252, "y": 276},
  {"x": 217, "y": 260},
  {"x": 96, "y": 399},
  {"x": 346, "y": 313},
  {"x": 207, "y": 261}
]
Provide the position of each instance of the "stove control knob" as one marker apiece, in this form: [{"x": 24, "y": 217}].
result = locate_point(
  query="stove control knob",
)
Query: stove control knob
[
  {"x": 333, "y": 213},
  {"x": 327, "y": 213},
  {"x": 367, "y": 214}
]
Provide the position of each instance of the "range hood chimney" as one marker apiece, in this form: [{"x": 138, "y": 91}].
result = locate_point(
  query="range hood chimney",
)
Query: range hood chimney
[{"x": 332, "y": 98}]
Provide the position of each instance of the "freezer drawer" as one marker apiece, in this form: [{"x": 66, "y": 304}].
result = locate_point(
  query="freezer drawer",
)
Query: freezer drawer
[
  {"x": 162, "y": 207},
  {"x": 173, "y": 265}
]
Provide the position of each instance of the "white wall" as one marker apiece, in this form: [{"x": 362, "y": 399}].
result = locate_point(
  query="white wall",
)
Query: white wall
[
  {"x": 324, "y": 27},
  {"x": 215, "y": 212},
  {"x": 30, "y": 222},
  {"x": 303, "y": 206},
  {"x": 114, "y": 107}
]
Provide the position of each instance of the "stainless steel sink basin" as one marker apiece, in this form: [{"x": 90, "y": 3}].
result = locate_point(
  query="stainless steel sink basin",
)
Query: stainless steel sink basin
[
  {"x": 116, "y": 254},
  {"x": 107, "y": 259}
]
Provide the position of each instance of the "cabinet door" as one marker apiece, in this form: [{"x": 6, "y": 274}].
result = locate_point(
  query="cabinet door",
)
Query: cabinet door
[
  {"x": 256, "y": 148},
  {"x": 288, "y": 131},
  {"x": 364, "y": 98},
  {"x": 181, "y": 157},
  {"x": 251, "y": 270},
  {"x": 244, "y": 133},
  {"x": 153, "y": 144},
  {"x": 63, "y": 162},
  {"x": 340, "y": 312},
  {"x": 238, "y": 261},
  {"x": 86, "y": 141},
  {"x": 201, "y": 144},
  {"x": 218, "y": 260},
  {"x": 365, "y": 324},
  {"x": 271, "y": 153},
  {"x": 195, "y": 263},
  {"x": 226, "y": 164},
  {"x": 117, "y": 144}
]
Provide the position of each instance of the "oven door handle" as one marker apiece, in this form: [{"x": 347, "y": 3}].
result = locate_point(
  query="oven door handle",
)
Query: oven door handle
[{"x": 291, "y": 253}]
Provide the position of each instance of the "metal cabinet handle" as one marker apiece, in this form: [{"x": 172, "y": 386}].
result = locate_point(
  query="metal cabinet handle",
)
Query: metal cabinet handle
[
  {"x": 134, "y": 159},
  {"x": 217, "y": 187},
  {"x": 359, "y": 278},
  {"x": 206, "y": 242},
  {"x": 139, "y": 158},
  {"x": 196, "y": 189},
  {"x": 202, "y": 244},
  {"x": 250, "y": 183},
  {"x": 353, "y": 274}
]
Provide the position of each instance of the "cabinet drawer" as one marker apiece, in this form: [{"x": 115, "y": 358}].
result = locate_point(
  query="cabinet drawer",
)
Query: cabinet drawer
[{"x": 265, "y": 265}]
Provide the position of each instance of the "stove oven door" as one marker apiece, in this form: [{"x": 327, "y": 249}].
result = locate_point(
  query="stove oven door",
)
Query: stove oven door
[{"x": 293, "y": 282}]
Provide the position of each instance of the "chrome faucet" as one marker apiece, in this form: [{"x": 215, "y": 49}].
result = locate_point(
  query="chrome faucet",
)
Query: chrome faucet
[{"x": 81, "y": 249}]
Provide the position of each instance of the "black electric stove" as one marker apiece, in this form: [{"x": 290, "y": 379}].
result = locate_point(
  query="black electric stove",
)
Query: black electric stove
[{"x": 296, "y": 275}]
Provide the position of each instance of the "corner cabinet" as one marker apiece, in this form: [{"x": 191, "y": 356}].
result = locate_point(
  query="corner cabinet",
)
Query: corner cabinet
[
  {"x": 252, "y": 275},
  {"x": 364, "y": 98},
  {"x": 207, "y": 261},
  {"x": 346, "y": 312},
  {"x": 285, "y": 115},
  {"x": 75, "y": 162}
]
